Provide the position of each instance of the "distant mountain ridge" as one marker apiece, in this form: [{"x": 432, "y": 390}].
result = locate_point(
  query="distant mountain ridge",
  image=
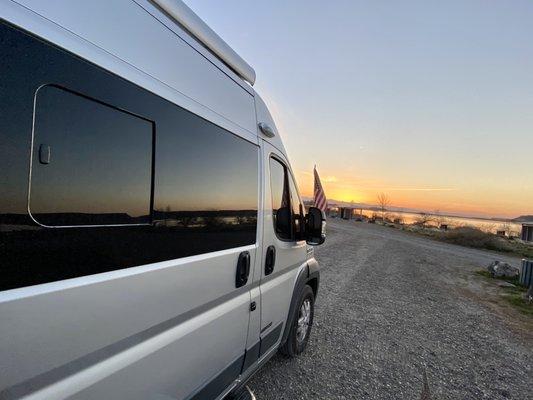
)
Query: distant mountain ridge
[
  {"x": 366, "y": 206},
  {"x": 524, "y": 218},
  {"x": 391, "y": 208}
]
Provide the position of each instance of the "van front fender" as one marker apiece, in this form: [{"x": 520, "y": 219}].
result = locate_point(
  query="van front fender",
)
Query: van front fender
[{"x": 309, "y": 274}]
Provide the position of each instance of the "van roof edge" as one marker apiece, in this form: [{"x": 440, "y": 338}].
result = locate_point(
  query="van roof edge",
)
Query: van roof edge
[{"x": 188, "y": 19}]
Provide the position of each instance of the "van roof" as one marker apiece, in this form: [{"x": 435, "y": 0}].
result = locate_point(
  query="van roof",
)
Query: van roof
[{"x": 186, "y": 18}]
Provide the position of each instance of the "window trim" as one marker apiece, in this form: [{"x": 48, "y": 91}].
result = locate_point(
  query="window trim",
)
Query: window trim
[
  {"x": 32, "y": 152},
  {"x": 301, "y": 208},
  {"x": 287, "y": 175}
]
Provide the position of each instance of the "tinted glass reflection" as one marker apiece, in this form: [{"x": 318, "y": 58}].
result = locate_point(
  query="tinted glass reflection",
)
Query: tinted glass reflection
[
  {"x": 205, "y": 178},
  {"x": 92, "y": 163}
]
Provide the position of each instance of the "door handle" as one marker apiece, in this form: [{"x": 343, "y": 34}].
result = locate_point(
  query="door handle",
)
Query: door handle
[
  {"x": 243, "y": 269},
  {"x": 270, "y": 260}
]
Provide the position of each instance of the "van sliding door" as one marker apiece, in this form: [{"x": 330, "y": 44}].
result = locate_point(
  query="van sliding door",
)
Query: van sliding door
[{"x": 120, "y": 253}]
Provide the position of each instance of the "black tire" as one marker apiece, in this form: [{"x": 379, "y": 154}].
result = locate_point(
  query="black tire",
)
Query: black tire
[{"x": 295, "y": 345}]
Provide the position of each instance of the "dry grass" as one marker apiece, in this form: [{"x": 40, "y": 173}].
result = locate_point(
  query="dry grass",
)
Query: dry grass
[
  {"x": 476, "y": 238},
  {"x": 472, "y": 237}
]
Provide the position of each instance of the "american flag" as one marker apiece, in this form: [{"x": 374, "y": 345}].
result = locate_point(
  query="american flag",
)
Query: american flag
[{"x": 320, "y": 197}]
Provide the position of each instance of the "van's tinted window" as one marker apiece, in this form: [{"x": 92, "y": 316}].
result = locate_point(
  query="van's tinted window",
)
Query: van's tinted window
[
  {"x": 96, "y": 169},
  {"x": 92, "y": 164},
  {"x": 281, "y": 209},
  {"x": 207, "y": 180}
]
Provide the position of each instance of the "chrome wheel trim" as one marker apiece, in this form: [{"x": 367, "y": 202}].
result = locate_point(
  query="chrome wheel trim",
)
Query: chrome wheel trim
[
  {"x": 252, "y": 395},
  {"x": 304, "y": 319}
]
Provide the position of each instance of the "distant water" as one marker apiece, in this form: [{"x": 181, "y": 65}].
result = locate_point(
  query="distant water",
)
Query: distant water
[{"x": 486, "y": 225}]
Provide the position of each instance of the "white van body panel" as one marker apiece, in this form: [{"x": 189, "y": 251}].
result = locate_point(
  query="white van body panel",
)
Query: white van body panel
[
  {"x": 190, "y": 21},
  {"x": 264, "y": 116},
  {"x": 167, "y": 329},
  {"x": 154, "y": 57},
  {"x": 171, "y": 24},
  {"x": 167, "y": 315}
]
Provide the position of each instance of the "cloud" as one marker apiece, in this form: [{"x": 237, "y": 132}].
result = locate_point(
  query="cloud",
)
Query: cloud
[{"x": 421, "y": 189}]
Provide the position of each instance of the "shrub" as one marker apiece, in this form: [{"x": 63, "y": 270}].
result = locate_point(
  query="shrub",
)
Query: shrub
[
  {"x": 472, "y": 237},
  {"x": 424, "y": 219}
]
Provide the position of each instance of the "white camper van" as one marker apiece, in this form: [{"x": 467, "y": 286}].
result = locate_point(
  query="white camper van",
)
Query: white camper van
[{"x": 153, "y": 244}]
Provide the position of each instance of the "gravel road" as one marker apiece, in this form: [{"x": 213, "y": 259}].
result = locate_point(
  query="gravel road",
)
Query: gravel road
[{"x": 393, "y": 308}]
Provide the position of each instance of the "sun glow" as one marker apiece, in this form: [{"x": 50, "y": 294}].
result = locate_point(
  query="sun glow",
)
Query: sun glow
[{"x": 453, "y": 200}]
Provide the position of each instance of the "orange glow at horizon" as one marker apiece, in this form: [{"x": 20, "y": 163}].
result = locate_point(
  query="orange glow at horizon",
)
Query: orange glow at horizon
[
  {"x": 432, "y": 110},
  {"x": 478, "y": 203}
]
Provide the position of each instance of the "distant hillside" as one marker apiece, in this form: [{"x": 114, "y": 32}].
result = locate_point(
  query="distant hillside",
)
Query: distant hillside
[
  {"x": 524, "y": 218},
  {"x": 365, "y": 206},
  {"x": 374, "y": 207}
]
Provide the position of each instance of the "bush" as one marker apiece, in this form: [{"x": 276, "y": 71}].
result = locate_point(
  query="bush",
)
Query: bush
[{"x": 472, "y": 237}]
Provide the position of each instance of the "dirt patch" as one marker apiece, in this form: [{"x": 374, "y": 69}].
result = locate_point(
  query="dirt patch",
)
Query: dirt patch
[{"x": 506, "y": 302}]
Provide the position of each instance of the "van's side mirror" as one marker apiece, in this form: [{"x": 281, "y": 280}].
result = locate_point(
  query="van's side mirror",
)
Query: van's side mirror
[
  {"x": 315, "y": 226},
  {"x": 283, "y": 221}
]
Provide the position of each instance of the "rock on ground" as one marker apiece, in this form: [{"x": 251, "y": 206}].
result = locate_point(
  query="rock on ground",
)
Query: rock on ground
[{"x": 500, "y": 269}]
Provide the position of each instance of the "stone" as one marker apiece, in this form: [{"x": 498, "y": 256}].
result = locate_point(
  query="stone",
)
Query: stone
[{"x": 500, "y": 269}]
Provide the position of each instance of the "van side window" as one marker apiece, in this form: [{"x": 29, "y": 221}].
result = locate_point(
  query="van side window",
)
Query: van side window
[
  {"x": 207, "y": 184},
  {"x": 281, "y": 208},
  {"x": 92, "y": 163},
  {"x": 120, "y": 177}
]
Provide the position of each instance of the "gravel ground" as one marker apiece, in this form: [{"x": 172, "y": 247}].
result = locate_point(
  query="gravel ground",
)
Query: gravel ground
[{"x": 393, "y": 308}]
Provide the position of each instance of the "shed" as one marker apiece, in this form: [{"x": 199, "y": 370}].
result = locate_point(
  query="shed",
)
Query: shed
[
  {"x": 527, "y": 231},
  {"x": 346, "y": 212}
]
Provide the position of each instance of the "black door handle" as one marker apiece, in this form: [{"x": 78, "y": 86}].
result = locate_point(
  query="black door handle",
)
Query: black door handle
[
  {"x": 243, "y": 269},
  {"x": 270, "y": 260}
]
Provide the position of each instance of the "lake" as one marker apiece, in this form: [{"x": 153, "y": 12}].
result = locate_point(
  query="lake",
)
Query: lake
[{"x": 486, "y": 225}]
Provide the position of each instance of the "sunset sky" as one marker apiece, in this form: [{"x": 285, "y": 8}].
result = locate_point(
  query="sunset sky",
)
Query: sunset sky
[{"x": 428, "y": 101}]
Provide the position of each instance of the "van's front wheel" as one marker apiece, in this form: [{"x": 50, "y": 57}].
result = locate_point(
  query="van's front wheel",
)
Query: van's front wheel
[{"x": 301, "y": 324}]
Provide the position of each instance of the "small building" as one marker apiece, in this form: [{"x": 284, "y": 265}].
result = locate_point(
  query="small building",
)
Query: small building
[
  {"x": 527, "y": 231},
  {"x": 346, "y": 212},
  {"x": 332, "y": 211}
]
